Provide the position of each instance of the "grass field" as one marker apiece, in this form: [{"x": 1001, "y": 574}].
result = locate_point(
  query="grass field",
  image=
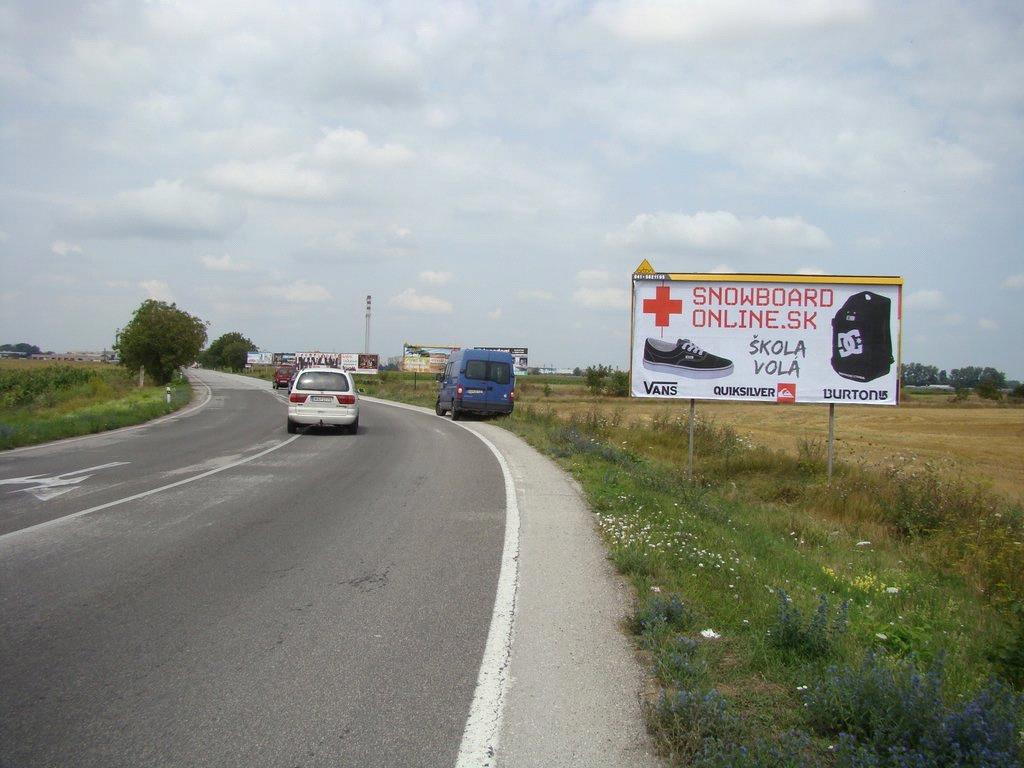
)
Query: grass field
[
  {"x": 42, "y": 401},
  {"x": 877, "y": 620}
]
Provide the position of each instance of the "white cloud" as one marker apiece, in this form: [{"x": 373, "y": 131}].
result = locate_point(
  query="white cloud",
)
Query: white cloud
[
  {"x": 436, "y": 278},
  {"x": 4, "y": 237},
  {"x": 117, "y": 284},
  {"x": 223, "y": 263},
  {"x": 601, "y": 298},
  {"x": 723, "y": 269},
  {"x": 811, "y": 271},
  {"x": 62, "y": 248},
  {"x": 668, "y": 21},
  {"x": 167, "y": 210},
  {"x": 348, "y": 147},
  {"x": 157, "y": 289},
  {"x": 720, "y": 232},
  {"x": 987, "y": 324},
  {"x": 298, "y": 292},
  {"x": 926, "y": 299},
  {"x": 413, "y": 301},
  {"x": 495, "y": 313},
  {"x": 538, "y": 294},
  {"x": 282, "y": 179},
  {"x": 1014, "y": 282},
  {"x": 593, "y": 276}
]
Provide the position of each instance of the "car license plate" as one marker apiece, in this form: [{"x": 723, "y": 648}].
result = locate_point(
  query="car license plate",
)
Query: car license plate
[
  {"x": 474, "y": 391},
  {"x": 321, "y": 398}
]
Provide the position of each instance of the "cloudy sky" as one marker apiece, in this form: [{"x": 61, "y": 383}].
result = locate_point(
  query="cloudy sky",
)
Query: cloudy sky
[{"x": 492, "y": 172}]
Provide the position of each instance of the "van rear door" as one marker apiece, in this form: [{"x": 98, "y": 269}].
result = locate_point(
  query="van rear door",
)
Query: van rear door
[
  {"x": 474, "y": 383},
  {"x": 500, "y": 380}
]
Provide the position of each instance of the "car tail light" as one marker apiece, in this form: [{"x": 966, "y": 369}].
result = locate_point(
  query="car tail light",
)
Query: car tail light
[
  {"x": 294, "y": 398},
  {"x": 512, "y": 395},
  {"x": 347, "y": 399},
  {"x": 458, "y": 390}
]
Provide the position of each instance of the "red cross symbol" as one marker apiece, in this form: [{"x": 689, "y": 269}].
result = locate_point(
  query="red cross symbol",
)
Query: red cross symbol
[{"x": 662, "y": 306}]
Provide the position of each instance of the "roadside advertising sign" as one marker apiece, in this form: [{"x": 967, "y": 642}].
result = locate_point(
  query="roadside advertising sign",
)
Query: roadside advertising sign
[
  {"x": 320, "y": 359},
  {"x": 284, "y": 358},
  {"x": 353, "y": 362},
  {"x": 520, "y": 357},
  {"x": 360, "y": 363},
  {"x": 425, "y": 359},
  {"x": 259, "y": 358},
  {"x": 766, "y": 338}
]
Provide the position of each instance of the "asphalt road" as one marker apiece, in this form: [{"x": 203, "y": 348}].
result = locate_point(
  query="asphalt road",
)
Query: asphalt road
[{"x": 320, "y": 600}]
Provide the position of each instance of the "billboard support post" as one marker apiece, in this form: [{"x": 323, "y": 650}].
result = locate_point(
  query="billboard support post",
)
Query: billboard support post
[
  {"x": 689, "y": 462},
  {"x": 831, "y": 437}
]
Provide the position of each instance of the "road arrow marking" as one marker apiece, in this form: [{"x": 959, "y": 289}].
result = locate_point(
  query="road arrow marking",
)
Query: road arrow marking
[{"x": 45, "y": 488}]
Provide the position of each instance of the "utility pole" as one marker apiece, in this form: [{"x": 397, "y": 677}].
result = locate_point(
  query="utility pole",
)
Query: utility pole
[{"x": 366, "y": 338}]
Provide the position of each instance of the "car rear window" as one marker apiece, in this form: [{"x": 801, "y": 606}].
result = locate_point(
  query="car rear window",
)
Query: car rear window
[
  {"x": 483, "y": 370},
  {"x": 323, "y": 380},
  {"x": 283, "y": 370}
]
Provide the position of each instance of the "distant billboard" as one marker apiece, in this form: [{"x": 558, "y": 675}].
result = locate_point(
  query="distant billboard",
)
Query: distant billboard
[
  {"x": 359, "y": 362},
  {"x": 766, "y": 338},
  {"x": 520, "y": 357},
  {"x": 353, "y": 362},
  {"x": 425, "y": 359},
  {"x": 284, "y": 358},
  {"x": 259, "y": 358}
]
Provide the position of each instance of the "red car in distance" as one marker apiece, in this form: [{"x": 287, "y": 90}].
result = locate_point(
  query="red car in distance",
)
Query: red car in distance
[{"x": 283, "y": 376}]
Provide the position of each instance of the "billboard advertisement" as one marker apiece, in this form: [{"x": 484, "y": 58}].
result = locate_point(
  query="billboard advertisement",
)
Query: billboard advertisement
[
  {"x": 359, "y": 362},
  {"x": 520, "y": 357},
  {"x": 259, "y": 358},
  {"x": 425, "y": 359},
  {"x": 353, "y": 362},
  {"x": 284, "y": 358},
  {"x": 324, "y": 359},
  {"x": 766, "y": 338}
]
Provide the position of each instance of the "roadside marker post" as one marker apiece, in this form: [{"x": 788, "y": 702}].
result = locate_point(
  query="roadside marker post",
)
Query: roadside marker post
[{"x": 167, "y": 395}]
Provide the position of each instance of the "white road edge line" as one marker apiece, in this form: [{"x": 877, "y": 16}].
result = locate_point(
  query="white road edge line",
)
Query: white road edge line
[
  {"x": 144, "y": 494},
  {"x": 188, "y": 410},
  {"x": 479, "y": 744}
]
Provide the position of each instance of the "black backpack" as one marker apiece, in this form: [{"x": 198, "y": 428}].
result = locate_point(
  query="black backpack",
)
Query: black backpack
[{"x": 861, "y": 337}]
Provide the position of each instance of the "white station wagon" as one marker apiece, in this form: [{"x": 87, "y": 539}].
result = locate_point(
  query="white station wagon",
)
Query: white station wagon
[{"x": 324, "y": 397}]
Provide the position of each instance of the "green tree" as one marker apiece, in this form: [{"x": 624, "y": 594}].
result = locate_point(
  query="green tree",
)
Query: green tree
[
  {"x": 918, "y": 375},
  {"x": 228, "y": 351},
  {"x": 972, "y": 375},
  {"x": 595, "y": 376},
  {"x": 618, "y": 384},
  {"x": 24, "y": 349},
  {"x": 160, "y": 338}
]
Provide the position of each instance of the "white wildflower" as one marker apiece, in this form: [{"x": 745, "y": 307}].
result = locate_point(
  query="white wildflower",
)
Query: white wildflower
[{"x": 709, "y": 634}]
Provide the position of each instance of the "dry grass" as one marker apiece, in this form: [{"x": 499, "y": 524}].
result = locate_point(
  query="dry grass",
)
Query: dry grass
[{"x": 977, "y": 440}]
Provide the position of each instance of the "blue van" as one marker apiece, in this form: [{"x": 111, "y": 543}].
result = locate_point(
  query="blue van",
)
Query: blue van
[{"x": 476, "y": 381}]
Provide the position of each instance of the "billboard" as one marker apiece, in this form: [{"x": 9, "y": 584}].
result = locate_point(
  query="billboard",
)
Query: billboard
[
  {"x": 353, "y": 362},
  {"x": 520, "y": 357},
  {"x": 766, "y": 338},
  {"x": 259, "y": 358},
  {"x": 359, "y": 362},
  {"x": 425, "y": 359},
  {"x": 284, "y": 358}
]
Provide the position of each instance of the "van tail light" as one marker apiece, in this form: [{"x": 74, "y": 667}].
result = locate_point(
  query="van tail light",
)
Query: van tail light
[
  {"x": 346, "y": 399},
  {"x": 294, "y": 398},
  {"x": 458, "y": 390}
]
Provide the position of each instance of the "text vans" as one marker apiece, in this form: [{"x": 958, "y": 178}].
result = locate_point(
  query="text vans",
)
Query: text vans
[{"x": 476, "y": 381}]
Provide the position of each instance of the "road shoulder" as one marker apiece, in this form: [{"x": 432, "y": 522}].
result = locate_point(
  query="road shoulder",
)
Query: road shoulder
[{"x": 574, "y": 691}]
